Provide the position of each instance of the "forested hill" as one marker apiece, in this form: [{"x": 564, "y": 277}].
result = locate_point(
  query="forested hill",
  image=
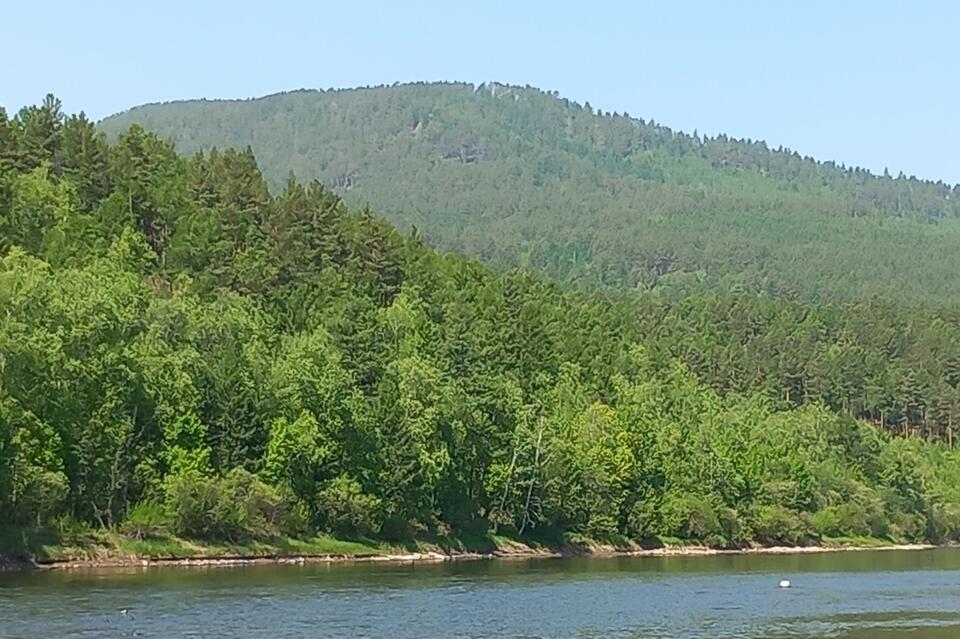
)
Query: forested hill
[
  {"x": 184, "y": 353},
  {"x": 521, "y": 177}
]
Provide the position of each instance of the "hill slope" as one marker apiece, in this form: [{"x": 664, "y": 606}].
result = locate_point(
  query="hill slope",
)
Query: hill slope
[{"x": 520, "y": 176}]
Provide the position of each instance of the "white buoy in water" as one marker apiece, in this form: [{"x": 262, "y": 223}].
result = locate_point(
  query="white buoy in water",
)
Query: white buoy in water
[{"x": 784, "y": 583}]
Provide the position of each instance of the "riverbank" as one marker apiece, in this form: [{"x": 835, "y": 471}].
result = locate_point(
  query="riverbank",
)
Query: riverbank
[{"x": 109, "y": 550}]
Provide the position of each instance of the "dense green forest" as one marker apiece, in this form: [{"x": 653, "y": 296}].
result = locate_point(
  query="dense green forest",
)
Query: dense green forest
[
  {"x": 521, "y": 177},
  {"x": 184, "y": 352}
]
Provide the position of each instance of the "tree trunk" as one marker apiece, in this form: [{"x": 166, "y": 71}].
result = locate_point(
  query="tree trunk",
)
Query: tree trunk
[{"x": 533, "y": 481}]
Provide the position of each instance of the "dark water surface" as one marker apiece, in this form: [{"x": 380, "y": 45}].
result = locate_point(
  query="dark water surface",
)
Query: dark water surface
[{"x": 856, "y": 595}]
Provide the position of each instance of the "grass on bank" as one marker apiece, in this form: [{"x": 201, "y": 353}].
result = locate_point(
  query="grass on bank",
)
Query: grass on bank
[
  {"x": 76, "y": 542},
  {"x": 856, "y": 540},
  {"x": 71, "y": 541},
  {"x": 52, "y": 545},
  {"x": 80, "y": 543}
]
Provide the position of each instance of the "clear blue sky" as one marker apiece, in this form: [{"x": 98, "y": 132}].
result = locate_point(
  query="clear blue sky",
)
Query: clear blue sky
[{"x": 872, "y": 83}]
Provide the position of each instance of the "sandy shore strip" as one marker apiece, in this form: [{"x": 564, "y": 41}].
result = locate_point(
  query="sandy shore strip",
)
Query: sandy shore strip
[
  {"x": 514, "y": 552},
  {"x": 692, "y": 551}
]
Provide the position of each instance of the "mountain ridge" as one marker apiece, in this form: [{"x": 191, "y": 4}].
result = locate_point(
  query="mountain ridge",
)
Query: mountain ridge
[
  {"x": 521, "y": 176},
  {"x": 839, "y": 164}
]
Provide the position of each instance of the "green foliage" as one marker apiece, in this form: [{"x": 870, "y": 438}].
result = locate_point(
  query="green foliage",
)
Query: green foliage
[
  {"x": 826, "y": 523},
  {"x": 41, "y": 494},
  {"x": 689, "y": 517},
  {"x": 946, "y": 522},
  {"x": 845, "y": 520},
  {"x": 775, "y": 525},
  {"x": 296, "y": 456},
  {"x": 733, "y": 532},
  {"x": 183, "y": 353},
  {"x": 234, "y": 508},
  {"x": 146, "y": 520},
  {"x": 345, "y": 510},
  {"x": 39, "y": 204},
  {"x": 643, "y": 521}
]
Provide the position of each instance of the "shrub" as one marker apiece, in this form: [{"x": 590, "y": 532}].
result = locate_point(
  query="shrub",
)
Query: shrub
[
  {"x": 145, "y": 520},
  {"x": 72, "y": 531},
  {"x": 192, "y": 501},
  {"x": 601, "y": 526},
  {"x": 946, "y": 522},
  {"x": 849, "y": 520},
  {"x": 43, "y": 496},
  {"x": 852, "y": 520},
  {"x": 642, "y": 521},
  {"x": 907, "y": 526},
  {"x": 777, "y": 525},
  {"x": 826, "y": 523},
  {"x": 732, "y": 530},
  {"x": 876, "y": 514},
  {"x": 344, "y": 509},
  {"x": 237, "y": 507},
  {"x": 689, "y": 517},
  {"x": 257, "y": 509}
]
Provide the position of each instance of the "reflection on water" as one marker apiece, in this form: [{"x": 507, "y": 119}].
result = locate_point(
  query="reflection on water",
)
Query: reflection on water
[{"x": 880, "y": 595}]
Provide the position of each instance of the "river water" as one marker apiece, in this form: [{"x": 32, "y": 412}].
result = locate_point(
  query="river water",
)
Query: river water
[{"x": 855, "y": 595}]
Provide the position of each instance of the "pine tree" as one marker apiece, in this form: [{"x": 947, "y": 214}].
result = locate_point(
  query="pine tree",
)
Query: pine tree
[
  {"x": 83, "y": 159},
  {"x": 304, "y": 225},
  {"x": 8, "y": 145},
  {"x": 40, "y": 128}
]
